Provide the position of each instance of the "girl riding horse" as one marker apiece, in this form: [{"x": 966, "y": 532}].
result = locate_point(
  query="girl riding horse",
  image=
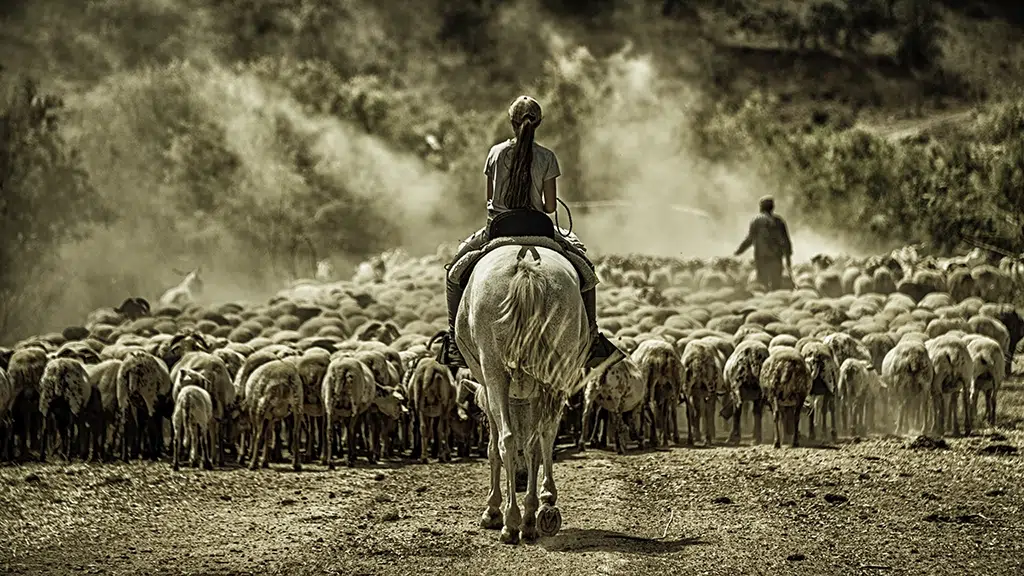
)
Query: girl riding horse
[{"x": 521, "y": 174}]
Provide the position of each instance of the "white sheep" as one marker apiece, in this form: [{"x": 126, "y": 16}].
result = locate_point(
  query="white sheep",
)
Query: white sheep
[
  {"x": 954, "y": 371},
  {"x": 989, "y": 372},
  {"x": 824, "y": 373},
  {"x": 347, "y": 392},
  {"x": 432, "y": 393},
  {"x": 25, "y": 370},
  {"x": 273, "y": 392},
  {"x": 67, "y": 402},
  {"x": 908, "y": 373},
  {"x": 742, "y": 379},
  {"x": 859, "y": 386},
  {"x": 785, "y": 384},
  {"x": 192, "y": 419},
  {"x": 702, "y": 383},
  {"x": 103, "y": 377},
  {"x": 222, "y": 393},
  {"x": 663, "y": 373},
  {"x": 142, "y": 380}
]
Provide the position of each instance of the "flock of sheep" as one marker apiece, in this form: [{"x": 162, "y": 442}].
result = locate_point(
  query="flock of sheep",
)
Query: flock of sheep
[{"x": 893, "y": 343}]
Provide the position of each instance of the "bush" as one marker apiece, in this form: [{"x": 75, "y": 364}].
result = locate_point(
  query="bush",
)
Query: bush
[{"x": 946, "y": 192}]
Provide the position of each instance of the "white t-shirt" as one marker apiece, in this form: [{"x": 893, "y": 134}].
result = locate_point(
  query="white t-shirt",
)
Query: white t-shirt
[{"x": 544, "y": 166}]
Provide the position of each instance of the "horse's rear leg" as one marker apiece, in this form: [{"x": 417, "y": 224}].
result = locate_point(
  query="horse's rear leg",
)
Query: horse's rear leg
[
  {"x": 531, "y": 502},
  {"x": 498, "y": 400},
  {"x": 549, "y": 517},
  {"x": 492, "y": 519}
]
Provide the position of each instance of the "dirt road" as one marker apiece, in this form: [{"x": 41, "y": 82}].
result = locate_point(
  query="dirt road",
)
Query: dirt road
[{"x": 872, "y": 507}]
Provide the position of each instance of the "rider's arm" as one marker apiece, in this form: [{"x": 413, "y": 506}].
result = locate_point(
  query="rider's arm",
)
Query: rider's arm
[
  {"x": 490, "y": 189},
  {"x": 550, "y": 188},
  {"x": 550, "y": 193}
]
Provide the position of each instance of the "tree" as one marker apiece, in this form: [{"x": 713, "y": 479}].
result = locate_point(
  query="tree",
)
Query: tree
[
  {"x": 920, "y": 35},
  {"x": 46, "y": 200}
]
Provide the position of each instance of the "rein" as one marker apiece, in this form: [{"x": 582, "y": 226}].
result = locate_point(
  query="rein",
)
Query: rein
[{"x": 558, "y": 227}]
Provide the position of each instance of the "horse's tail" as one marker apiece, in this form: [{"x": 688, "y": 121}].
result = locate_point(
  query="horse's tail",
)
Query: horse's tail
[{"x": 525, "y": 319}]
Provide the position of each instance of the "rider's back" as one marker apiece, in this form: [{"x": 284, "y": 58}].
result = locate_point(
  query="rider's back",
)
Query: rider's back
[{"x": 544, "y": 166}]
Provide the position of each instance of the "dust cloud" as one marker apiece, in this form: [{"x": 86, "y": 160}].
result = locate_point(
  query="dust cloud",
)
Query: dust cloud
[
  {"x": 638, "y": 156},
  {"x": 156, "y": 237}
]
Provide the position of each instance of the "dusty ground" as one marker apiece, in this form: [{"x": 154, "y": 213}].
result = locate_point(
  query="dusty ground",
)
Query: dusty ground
[{"x": 877, "y": 506}]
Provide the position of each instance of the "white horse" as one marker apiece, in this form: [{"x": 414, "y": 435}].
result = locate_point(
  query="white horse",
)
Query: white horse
[{"x": 523, "y": 331}]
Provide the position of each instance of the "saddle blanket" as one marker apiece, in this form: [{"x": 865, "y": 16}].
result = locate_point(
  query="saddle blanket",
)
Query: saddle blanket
[{"x": 462, "y": 267}]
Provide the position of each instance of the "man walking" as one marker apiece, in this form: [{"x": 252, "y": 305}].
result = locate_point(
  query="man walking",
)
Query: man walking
[{"x": 770, "y": 238}]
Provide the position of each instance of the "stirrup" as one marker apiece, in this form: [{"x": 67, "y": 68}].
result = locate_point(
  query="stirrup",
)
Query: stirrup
[{"x": 450, "y": 355}]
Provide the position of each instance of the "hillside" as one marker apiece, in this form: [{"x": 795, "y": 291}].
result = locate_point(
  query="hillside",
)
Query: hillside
[{"x": 254, "y": 137}]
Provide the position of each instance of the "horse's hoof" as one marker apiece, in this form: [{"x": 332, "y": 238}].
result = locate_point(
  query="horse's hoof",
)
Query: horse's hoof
[
  {"x": 175, "y": 467},
  {"x": 423, "y": 461},
  {"x": 733, "y": 441},
  {"x": 297, "y": 467},
  {"x": 492, "y": 520},
  {"x": 509, "y": 536},
  {"x": 207, "y": 465},
  {"x": 530, "y": 534},
  {"x": 549, "y": 520}
]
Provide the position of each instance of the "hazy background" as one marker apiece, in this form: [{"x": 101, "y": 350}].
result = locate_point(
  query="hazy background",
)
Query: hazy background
[{"x": 252, "y": 138}]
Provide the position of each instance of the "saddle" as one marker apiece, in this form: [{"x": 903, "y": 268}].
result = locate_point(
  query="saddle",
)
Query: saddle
[{"x": 522, "y": 228}]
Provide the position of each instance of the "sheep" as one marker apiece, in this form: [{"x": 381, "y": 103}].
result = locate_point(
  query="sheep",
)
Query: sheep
[
  {"x": 222, "y": 393},
  {"x": 432, "y": 393},
  {"x": 272, "y": 392},
  {"x": 994, "y": 329},
  {"x": 663, "y": 372},
  {"x": 619, "y": 389},
  {"x": 859, "y": 386},
  {"x": 469, "y": 424},
  {"x": 133, "y": 308},
  {"x": 7, "y": 398},
  {"x": 347, "y": 391},
  {"x": 908, "y": 373},
  {"x": 785, "y": 384},
  {"x": 143, "y": 383},
  {"x": 25, "y": 370},
  {"x": 192, "y": 419},
  {"x": 824, "y": 372},
  {"x": 1012, "y": 320},
  {"x": 67, "y": 402},
  {"x": 742, "y": 379},
  {"x": 844, "y": 346},
  {"x": 103, "y": 377},
  {"x": 312, "y": 368},
  {"x": 989, "y": 372},
  {"x": 185, "y": 292},
  {"x": 954, "y": 371},
  {"x": 702, "y": 382}
]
